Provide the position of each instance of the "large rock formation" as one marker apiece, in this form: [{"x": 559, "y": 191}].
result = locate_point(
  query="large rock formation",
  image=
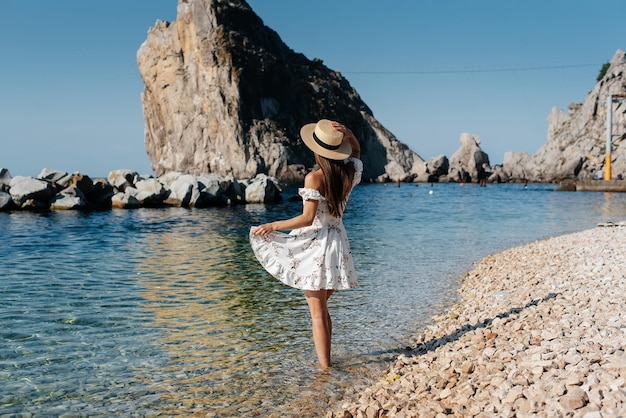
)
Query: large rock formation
[
  {"x": 223, "y": 94},
  {"x": 470, "y": 162},
  {"x": 576, "y": 143}
]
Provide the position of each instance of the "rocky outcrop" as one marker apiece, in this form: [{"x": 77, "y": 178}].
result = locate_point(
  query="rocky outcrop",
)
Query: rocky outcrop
[
  {"x": 517, "y": 165},
  {"x": 576, "y": 140},
  {"x": 223, "y": 94},
  {"x": 126, "y": 189},
  {"x": 469, "y": 163},
  {"x": 437, "y": 167}
]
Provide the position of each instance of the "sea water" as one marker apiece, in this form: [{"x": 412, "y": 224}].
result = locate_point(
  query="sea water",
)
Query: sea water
[{"x": 158, "y": 312}]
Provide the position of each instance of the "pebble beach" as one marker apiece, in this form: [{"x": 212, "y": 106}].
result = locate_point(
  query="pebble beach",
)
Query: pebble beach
[{"x": 539, "y": 331}]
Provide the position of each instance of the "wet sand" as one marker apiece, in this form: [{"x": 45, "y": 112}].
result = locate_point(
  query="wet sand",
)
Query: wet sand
[{"x": 540, "y": 331}]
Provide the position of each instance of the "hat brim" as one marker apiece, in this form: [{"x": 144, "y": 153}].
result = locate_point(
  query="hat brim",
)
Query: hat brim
[{"x": 341, "y": 153}]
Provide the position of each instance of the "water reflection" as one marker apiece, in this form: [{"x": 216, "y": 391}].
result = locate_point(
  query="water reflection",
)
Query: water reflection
[{"x": 614, "y": 206}]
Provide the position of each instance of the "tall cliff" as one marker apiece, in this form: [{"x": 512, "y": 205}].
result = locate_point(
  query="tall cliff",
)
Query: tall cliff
[
  {"x": 223, "y": 94},
  {"x": 576, "y": 141}
]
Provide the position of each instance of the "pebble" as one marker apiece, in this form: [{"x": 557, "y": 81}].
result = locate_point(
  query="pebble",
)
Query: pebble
[{"x": 539, "y": 331}]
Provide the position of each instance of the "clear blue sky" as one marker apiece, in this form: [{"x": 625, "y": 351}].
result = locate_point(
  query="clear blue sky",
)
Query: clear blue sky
[{"x": 70, "y": 88}]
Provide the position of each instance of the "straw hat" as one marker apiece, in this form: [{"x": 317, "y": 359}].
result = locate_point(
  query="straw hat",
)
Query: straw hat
[{"x": 324, "y": 140}]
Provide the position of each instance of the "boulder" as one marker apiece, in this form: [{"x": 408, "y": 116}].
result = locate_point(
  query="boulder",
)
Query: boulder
[
  {"x": 498, "y": 175},
  {"x": 183, "y": 191},
  {"x": 468, "y": 163},
  {"x": 35, "y": 205},
  {"x": 125, "y": 200},
  {"x": 101, "y": 193},
  {"x": 437, "y": 167},
  {"x": 51, "y": 175},
  {"x": 263, "y": 189},
  {"x": 23, "y": 189},
  {"x": 214, "y": 190},
  {"x": 83, "y": 182},
  {"x": 5, "y": 179},
  {"x": 70, "y": 198},
  {"x": 6, "y": 202},
  {"x": 168, "y": 178},
  {"x": 395, "y": 173},
  {"x": 236, "y": 192},
  {"x": 456, "y": 175},
  {"x": 150, "y": 192},
  {"x": 121, "y": 179},
  {"x": 515, "y": 165}
]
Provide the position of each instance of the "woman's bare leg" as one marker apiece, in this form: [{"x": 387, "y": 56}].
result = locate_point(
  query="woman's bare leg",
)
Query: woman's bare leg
[
  {"x": 328, "y": 320},
  {"x": 321, "y": 323}
]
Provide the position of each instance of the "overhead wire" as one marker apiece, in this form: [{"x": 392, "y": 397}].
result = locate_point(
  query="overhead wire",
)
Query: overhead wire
[{"x": 478, "y": 70}]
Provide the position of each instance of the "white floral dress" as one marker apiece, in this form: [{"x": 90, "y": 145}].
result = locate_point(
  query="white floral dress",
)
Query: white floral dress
[{"x": 313, "y": 257}]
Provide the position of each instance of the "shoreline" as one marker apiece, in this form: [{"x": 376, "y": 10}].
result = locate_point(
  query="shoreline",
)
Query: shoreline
[{"x": 539, "y": 330}]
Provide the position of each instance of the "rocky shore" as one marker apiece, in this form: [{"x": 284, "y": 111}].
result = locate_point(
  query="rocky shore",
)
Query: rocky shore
[
  {"x": 127, "y": 189},
  {"x": 540, "y": 331}
]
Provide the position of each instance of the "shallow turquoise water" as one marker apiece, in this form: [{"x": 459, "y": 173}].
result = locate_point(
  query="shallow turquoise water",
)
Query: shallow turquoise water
[{"x": 165, "y": 311}]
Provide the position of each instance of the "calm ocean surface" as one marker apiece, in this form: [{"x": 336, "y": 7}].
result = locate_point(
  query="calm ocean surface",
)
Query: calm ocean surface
[{"x": 166, "y": 312}]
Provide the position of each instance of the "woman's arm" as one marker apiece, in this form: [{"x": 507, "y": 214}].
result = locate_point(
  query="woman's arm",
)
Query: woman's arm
[
  {"x": 349, "y": 136},
  {"x": 306, "y": 219},
  {"x": 312, "y": 181}
]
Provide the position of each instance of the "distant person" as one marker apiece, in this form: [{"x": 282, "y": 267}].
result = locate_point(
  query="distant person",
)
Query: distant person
[{"x": 315, "y": 256}]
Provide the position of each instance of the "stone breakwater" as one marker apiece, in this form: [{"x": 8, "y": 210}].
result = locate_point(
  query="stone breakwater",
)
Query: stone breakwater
[
  {"x": 127, "y": 189},
  {"x": 540, "y": 331}
]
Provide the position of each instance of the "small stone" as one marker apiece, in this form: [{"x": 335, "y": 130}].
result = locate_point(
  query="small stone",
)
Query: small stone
[
  {"x": 616, "y": 362},
  {"x": 557, "y": 389},
  {"x": 514, "y": 394},
  {"x": 371, "y": 412},
  {"x": 523, "y": 405},
  {"x": 468, "y": 367},
  {"x": 571, "y": 403},
  {"x": 574, "y": 380},
  {"x": 617, "y": 383},
  {"x": 573, "y": 359},
  {"x": 445, "y": 393},
  {"x": 574, "y": 400}
]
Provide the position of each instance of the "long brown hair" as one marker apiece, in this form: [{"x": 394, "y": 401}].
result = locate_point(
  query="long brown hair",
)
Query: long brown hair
[{"x": 337, "y": 183}]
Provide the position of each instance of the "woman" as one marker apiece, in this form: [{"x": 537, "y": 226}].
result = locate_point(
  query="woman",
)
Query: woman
[{"x": 315, "y": 256}]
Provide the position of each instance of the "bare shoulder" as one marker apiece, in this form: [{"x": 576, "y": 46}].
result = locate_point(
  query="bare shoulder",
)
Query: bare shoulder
[{"x": 314, "y": 180}]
